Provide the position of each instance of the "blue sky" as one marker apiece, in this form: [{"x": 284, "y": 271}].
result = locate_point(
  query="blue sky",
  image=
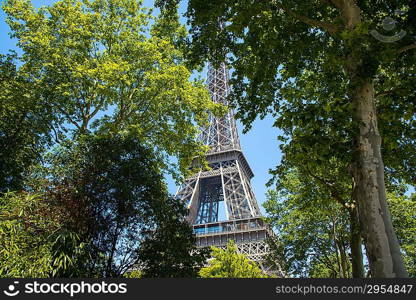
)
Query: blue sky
[{"x": 260, "y": 144}]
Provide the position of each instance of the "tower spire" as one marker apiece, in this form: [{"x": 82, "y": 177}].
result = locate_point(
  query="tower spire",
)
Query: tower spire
[{"x": 221, "y": 134}]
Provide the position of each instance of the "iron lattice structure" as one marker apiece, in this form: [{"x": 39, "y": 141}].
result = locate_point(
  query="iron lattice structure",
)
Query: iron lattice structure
[{"x": 228, "y": 180}]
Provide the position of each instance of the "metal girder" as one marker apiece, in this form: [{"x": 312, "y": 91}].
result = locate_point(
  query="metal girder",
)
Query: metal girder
[{"x": 203, "y": 196}]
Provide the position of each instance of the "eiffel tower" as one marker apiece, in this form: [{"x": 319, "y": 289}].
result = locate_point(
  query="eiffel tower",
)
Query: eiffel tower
[{"x": 227, "y": 183}]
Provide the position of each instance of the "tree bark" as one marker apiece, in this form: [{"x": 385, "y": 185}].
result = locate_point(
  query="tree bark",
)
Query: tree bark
[
  {"x": 355, "y": 244},
  {"x": 343, "y": 256},
  {"x": 369, "y": 190},
  {"x": 398, "y": 264},
  {"x": 337, "y": 250}
]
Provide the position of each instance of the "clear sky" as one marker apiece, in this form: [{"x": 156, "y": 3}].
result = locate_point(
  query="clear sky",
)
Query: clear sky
[{"x": 260, "y": 144}]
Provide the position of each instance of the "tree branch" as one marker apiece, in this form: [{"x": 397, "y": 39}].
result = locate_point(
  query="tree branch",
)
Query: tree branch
[
  {"x": 68, "y": 117},
  {"x": 384, "y": 93},
  {"x": 97, "y": 108},
  {"x": 406, "y": 48},
  {"x": 334, "y": 193}
]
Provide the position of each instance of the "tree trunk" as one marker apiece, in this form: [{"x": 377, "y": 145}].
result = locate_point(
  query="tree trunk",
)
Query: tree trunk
[
  {"x": 398, "y": 264},
  {"x": 369, "y": 190},
  {"x": 337, "y": 250},
  {"x": 355, "y": 244},
  {"x": 382, "y": 246},
  {"x": 343, "y": 256}
]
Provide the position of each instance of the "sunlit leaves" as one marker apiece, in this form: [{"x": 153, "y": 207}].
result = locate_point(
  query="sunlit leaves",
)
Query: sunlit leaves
[
  {"x": 229, "y": 263},
  {"x": 25, "y": 236},
  {"x": 310, "y": 227},
  {"x": 110, "y": 64}
]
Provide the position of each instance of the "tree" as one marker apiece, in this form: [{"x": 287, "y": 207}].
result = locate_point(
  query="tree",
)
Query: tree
[
  {"x": 108, "y": 189},
  {"x": 403, "y": 210},
  {"x": 120, "y": 102},
  {"x": 32, "y": 235},
  {"x": 313, "y": 231},
  {"x": 97, "y": 200},
  {"x": 319, "y": 163},
  {"x": 100, "y": 64},
  {"x": 24, "y": 125},
  {"x": 95, "y": 197},
  {"x": 25, "y": 251},
  {"x": 169, "y": 249},
  {"x": 280, "y": 49},
  {"x": 229, "y": 263}
]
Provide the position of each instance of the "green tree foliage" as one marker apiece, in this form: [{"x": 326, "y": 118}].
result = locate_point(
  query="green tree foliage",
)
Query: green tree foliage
[
  {"x": 313, "y": 231},
  {"x": 322, "y": 174},
  {"x": 109, "y": 188},
  {"x": 169, "y": 250},
  {"x": 33, "y": 241},
  {"x": 102, "y": 63},
  {"x": 24, "y": 236},
  {"x": 108, "y": 82},
  {"x": 403, "y": 210},
  {"x": 100, "y": 198},
  {"x": 317, "y": 67},
  {"x": 24, "y": 125},
  {"x": 229, "y": 263}
]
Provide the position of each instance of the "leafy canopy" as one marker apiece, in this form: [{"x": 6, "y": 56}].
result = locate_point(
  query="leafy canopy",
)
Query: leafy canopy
[
  {"x": 312, "y": 229},
  {"x": 403, "y": 210},
  {"x": 33, "y": 239},
  {"x": 24, "y": 125},
  {"x": 229, "y": 263},
  {"x": 101, "y": 64},
  {"x": 98, "y": 199},
  {"x": 169, "y": 248},
  {"x": 25, "y": 244}
]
